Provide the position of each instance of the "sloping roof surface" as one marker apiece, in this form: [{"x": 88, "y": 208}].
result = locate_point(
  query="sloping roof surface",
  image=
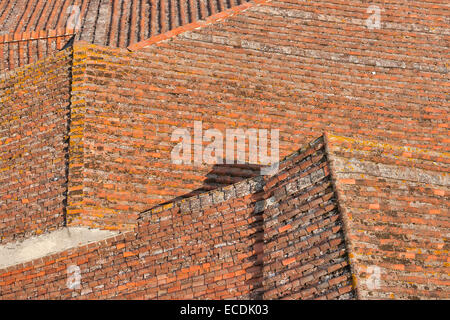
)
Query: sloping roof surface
[
  {"x": 34, "y": 115},
  {"x": 116, "y": 23},
  {"x": 337, "y": 210},
  {"x": 305, "y": 254},
  {"x": 31, "y": 29},
  {"x": 396, "y": 204},
  {"x": 20, "y": 49},
  {"x": 302, "y": 67},
  {"x": 269, "y": 237}
]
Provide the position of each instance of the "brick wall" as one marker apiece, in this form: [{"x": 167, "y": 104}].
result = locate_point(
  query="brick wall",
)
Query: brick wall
[
  {"x": 208, "y": 246},
  {"x": 34, "y": 110},
  {"x": 120, "y": 151},
  {"x": 305, "y": 254},
  {"x": 395, "y": 203},
  {"x": 273, "y": 66},
  {"x": 102, "y": 267}
]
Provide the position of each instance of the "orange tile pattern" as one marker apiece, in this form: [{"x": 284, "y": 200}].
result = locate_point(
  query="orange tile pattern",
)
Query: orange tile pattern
[
  {"x": 268, "y": 67},
  {"x": 305, "y": 256},
  {"x": 299, "y": 66},
  {"x": 222, "y": 244},
  {"x": 116, "y": 23}
]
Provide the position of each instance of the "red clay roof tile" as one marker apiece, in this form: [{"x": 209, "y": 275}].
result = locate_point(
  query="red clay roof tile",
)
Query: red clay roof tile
[{"x": 301, "y": 67}]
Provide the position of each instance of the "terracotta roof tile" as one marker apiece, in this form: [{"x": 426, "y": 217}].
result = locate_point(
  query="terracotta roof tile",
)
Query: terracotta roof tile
[
  {"x": 267, "y": 67},
  {"x": 380, "y": 195},
  {"x": 115, "y": 23},
  {"x": 118, "y": 23},
  {"x": 297, "y": 226},
  {"x": 19, "y": 49},
  {"x": 397, "y": 217}
]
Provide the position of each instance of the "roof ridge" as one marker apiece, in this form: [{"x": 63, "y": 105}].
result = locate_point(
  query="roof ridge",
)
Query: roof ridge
[{"x": 196, "y": 24}]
